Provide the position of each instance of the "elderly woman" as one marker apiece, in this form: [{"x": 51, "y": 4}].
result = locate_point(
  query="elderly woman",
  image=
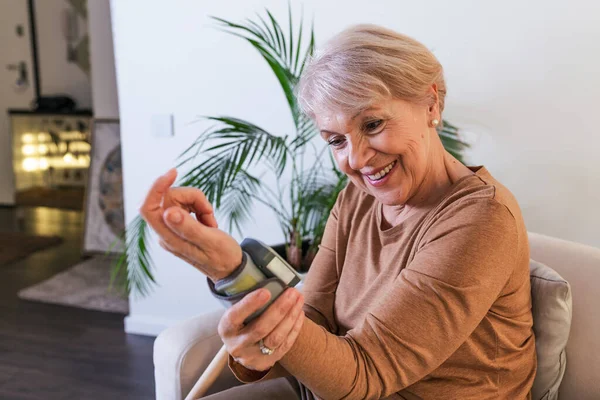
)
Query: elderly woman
[{"x": 420, "y": 288}]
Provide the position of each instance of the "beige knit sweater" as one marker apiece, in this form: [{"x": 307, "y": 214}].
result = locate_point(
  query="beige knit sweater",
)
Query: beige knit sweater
[{"x": 438, "y": 307}]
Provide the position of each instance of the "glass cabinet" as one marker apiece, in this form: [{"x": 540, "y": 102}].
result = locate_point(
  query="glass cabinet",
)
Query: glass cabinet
[{"x": 50, "y": 150}]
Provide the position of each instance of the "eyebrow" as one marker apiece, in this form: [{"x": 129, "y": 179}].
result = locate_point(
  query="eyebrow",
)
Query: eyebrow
[
  {"x": 326, "y": 131},
  {"x": 351, "y": 119},
  {"x": 362, "y": 111}
]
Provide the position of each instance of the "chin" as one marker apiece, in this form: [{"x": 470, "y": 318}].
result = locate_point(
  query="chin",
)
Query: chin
[
  {"x": 394, "y": 198},
  {"x": 390, "y": 200}
]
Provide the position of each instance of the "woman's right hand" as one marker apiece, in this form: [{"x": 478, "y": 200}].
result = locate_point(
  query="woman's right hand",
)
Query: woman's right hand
[
  {"x": 196, "y": 240},
  {"x": 278, "y": 326}
]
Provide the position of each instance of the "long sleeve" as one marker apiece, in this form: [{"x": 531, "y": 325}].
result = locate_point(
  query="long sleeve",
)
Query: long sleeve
[
  {"x": 246, "y": 375},
  {"x": 458, "y": 271},
  {"x": 322, "y": 279}
]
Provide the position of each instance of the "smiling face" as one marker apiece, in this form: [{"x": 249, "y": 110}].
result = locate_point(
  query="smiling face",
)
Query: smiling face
[{"x": 386, "y": 150}]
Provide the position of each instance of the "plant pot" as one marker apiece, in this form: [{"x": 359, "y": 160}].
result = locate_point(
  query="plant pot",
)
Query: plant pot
[{"x": 280, "y": 249}]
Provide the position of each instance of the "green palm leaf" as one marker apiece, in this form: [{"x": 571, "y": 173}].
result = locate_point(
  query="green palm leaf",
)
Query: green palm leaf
[
  {"x": 246, "y": 144},
  {"x": 319, "y": 193},
  {"x": 277, "y": 50},
  {"x": 305, "y": 133},
  {"x": 237, "y": 204},
  {"x": 449, "y": 135},
  {"x": 133, "y": 270}
]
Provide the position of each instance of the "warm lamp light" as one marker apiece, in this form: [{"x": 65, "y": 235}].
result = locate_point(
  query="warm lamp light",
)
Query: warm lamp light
[
  {"x": 30, "y": 164},
  {"x": 44, "y": 163},
  {"x": 68, "y": 158},
  {"x": 28, "y": 138},
  {"x": 28, "y": 150}
]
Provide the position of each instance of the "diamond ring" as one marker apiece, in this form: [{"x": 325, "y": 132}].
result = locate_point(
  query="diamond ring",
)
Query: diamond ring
[{"x": 264, "y": 349}]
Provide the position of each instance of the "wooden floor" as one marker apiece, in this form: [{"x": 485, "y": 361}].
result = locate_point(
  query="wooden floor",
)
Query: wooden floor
[{"x": 56, "y": 352}]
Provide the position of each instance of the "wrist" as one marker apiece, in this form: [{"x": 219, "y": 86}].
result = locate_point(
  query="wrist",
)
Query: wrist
[
  {"x": 214, "y": 278},
  {"x": 230, "y": 269}
]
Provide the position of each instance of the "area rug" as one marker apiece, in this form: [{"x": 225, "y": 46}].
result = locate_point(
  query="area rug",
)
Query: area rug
[
  {"x": 17, "y": 245},
  {"x": 84, "y": 285}
]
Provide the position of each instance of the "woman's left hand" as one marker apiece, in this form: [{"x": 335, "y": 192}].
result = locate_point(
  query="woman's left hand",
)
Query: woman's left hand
[
  {"x": 278, "y": 326},
  {"x": 198, "y": 241}
]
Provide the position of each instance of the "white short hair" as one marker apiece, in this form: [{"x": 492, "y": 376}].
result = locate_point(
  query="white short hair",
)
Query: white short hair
[{"x": 365, "y": 64}]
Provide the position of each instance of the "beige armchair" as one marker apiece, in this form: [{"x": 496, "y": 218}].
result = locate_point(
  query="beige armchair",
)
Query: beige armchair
[{"x": 182, "y": 352}]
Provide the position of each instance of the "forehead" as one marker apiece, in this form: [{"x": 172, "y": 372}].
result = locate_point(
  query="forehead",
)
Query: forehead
[
  {"x": 344, "y": 118},
  {"x": 392, "y": 108}
]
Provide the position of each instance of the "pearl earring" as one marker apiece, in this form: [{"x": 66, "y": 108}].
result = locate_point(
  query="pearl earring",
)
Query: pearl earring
[{"x": 435, "y": 122}]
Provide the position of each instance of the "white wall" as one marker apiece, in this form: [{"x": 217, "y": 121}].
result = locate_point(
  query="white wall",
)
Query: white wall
[
  {"x": 522, "y": 79},
  {"x": 13, "y": 49},
  {"x": 57, "y": 74},
  {"x": 102, "y": 59}
]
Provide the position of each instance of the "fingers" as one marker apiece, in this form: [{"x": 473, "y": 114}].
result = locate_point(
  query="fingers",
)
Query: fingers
[
  {"x": 192, "y": 200},
  {"x": 173, "y": 243},
  {"x": 208, "y": 220},
  {"x": 187, "y": 227},
  {"x": 271, "y": 317},
  {"x": 242, "y": 341},
  {"x": 151, "y": 209},
  {"x": 277, "y": 338},
  {"x": 213, "y": 251},
  {"x": 157, "y": 191},
  {"x": 233, "y": 319},
  {"x": 294, "y": 333}
]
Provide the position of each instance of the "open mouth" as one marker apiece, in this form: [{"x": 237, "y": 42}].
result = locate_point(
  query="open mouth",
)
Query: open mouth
[{"x": 383, "y": 173}]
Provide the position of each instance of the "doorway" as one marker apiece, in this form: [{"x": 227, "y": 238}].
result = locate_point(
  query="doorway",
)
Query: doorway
[{"x": 45, "y": 100}]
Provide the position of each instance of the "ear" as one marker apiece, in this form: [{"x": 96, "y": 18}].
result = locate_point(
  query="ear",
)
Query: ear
[{"x": 434, "y": 102}]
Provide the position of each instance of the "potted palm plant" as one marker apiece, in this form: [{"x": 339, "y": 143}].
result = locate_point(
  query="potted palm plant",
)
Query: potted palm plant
[{"x": 220, "y": 161}]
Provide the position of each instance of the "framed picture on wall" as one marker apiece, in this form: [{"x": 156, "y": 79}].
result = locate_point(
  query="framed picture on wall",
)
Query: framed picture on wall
[{"x": 104, "y": 215}]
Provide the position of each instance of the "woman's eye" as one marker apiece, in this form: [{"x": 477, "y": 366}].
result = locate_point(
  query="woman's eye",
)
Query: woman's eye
[
  {"x": 335, "y": 142},
  {"x": 372, "y": 125}
]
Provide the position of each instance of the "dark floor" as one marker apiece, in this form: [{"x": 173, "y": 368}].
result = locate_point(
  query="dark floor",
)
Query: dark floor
[{"x": 56, "y": 352}]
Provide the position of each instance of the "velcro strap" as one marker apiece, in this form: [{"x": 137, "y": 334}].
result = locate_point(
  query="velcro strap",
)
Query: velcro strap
[{"x": 274, "y": 285}]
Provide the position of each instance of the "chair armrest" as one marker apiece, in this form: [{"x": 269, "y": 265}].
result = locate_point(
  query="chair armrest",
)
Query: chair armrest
[{"x": 183, "y": 351}]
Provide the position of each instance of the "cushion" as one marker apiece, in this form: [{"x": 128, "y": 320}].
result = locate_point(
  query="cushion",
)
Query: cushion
[{"x": 552, "y": 310}]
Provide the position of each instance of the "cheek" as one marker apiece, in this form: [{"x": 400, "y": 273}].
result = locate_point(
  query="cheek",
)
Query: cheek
[
  {"x": 414, "y": 154},
  {"x": 412, "y": 161},
  {"x": 341, "y": 160}
]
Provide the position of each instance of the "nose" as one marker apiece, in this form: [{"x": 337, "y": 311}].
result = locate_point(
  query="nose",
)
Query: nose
[{"x": 359, "y": 153}]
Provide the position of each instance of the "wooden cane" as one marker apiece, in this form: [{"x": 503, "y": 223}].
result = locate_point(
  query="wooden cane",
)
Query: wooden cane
[{"x": 210, "y": 374}]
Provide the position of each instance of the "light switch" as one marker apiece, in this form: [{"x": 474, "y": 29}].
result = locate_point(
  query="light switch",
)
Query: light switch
[{"x": 163, "y": 125}]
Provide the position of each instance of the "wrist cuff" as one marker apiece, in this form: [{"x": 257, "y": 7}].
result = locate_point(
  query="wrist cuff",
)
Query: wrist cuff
[
  {"x": 274, "y": 285},
  {"x": 269, "y": 262},
  {"x": 261, "y": 267},
  {"x": 246, "y": 276}
]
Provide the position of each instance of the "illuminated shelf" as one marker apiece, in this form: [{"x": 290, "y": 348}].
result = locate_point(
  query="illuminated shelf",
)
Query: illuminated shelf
[{"x": 50, "y": 150}]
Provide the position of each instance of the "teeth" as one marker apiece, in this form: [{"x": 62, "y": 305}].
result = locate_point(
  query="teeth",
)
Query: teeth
[{"x": 382, "y": 173}]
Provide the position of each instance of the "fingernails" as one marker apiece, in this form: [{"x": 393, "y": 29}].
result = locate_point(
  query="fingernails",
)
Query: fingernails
[
  {"x": 169, "y": 172},
  {"x": 175, "y": 216},
  {"x": 264, "y": 294}
]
